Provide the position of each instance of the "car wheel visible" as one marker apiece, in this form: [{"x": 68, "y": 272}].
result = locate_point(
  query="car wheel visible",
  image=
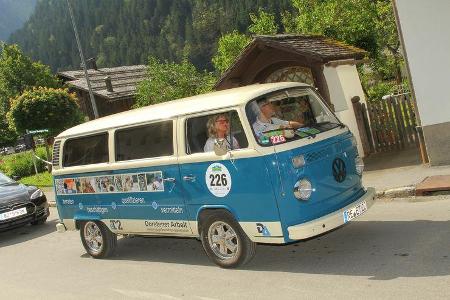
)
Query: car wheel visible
[
  {"x": 224, "y": 241},
  {"x": 97, "y": 239}
]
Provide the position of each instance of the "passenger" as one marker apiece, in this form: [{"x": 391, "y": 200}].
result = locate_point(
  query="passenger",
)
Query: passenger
[
  {"x": 266, "y": 121},
  {"x": 219, "y": 128}
]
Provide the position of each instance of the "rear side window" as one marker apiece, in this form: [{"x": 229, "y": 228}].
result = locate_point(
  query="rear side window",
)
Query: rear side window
[
  {"x": 86, "y": 150},
  {"x": 152, "y": 140}
]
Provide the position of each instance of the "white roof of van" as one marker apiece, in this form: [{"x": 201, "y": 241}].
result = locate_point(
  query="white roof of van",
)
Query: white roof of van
[{"x": 204, "y": 102}]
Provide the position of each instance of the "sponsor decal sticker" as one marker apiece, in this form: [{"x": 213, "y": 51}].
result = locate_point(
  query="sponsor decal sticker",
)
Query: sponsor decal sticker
[
  {"x": 68, "y": 202},
  {"x": 167, "y": 226},
  {"x": 121, "y": 183},
  {"x": 97, "y": 209},
  {"x": 218, "y": 180},
  {"x": 133, "y": 200},
  {"x": 262, "y": 229},
  {"x": 171, "y": 210}
]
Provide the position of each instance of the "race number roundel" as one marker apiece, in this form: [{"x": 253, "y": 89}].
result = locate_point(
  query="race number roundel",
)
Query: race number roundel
[{"x": 218, "y": 180}]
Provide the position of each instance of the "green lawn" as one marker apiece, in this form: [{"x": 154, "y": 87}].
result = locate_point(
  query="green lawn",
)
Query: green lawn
[{"x": 39, "y": 180}]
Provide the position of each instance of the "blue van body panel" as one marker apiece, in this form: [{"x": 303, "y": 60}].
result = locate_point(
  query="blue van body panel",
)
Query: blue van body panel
[
  {"x": 261, "y": 189},
  {"x": 328, "y": 195},
  {"x": 251, "y": 196}
]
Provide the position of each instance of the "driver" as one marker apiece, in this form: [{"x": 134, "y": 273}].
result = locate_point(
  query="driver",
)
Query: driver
[{"x": 266, "y": 121}]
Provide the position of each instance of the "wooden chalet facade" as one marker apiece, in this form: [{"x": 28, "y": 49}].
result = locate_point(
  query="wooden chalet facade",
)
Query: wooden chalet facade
[{"x": 114, "y": 89}]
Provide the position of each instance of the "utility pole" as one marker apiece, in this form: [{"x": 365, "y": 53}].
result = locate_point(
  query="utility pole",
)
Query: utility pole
[{"x": 83, "y": 62}]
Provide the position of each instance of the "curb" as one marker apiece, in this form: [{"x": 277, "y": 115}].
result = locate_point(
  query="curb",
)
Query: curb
[{"x": 400, "y": 192}]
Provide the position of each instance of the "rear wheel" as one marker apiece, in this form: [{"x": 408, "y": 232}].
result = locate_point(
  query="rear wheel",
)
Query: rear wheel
[
  {"x": 224, "y": 241},
  {"x": 97, "y": 239}
]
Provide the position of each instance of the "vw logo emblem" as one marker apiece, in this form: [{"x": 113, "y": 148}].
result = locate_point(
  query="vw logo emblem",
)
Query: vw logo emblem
[{"x": 339, "y": 170}]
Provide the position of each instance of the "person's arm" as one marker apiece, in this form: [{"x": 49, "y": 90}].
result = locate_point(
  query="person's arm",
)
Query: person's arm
[
  {"x": 294, "y": 124},
  {"x": 209, "y": 145}
]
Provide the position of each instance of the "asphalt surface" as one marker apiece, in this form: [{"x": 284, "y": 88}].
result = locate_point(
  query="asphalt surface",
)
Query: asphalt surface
[{"x": 397, "y": 250}]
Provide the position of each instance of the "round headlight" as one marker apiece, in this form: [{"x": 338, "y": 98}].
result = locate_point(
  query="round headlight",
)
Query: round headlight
[
  {"x": 359, "y": 165},
  {"x": 303, "y": 189}
]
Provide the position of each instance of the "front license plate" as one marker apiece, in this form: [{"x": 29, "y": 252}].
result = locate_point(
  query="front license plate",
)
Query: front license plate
[
  {"x": 355, "y": 211},
  {"x": 12, "y": 214}
]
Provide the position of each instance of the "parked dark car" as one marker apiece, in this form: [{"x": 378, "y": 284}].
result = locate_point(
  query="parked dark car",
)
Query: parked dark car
[{"x": 21, "y": 204}]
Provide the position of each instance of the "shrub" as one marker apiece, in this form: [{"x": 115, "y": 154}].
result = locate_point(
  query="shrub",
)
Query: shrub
[{"x": 21, "y": 164}]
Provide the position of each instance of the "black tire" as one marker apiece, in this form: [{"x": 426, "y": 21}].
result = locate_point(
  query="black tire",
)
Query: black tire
[
  {"x": 39, "y": 221},
  {"x": 231, "y": 234},
  {"x": 97, "y": 239}
]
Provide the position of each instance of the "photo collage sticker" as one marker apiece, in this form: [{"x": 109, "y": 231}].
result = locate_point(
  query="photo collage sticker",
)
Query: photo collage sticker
[{"x": 123, "y": 183}]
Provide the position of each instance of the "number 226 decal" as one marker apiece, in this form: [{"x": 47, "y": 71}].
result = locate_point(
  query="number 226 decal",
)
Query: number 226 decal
[{"x": 218, "y": 180}]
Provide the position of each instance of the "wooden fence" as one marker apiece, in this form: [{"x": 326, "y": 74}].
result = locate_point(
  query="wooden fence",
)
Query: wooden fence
[{"x": 388, "y": 124}]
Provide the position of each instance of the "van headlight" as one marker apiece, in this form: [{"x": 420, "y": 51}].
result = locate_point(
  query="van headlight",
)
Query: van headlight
[
  {"x": 303, "y": 189},
  {"x": 359, "y": 165}
]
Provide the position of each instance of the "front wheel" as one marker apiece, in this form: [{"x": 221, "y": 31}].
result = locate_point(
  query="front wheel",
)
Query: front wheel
[
  {"x": 97, "y": 239},
  {"x": 224, "y": 241}
]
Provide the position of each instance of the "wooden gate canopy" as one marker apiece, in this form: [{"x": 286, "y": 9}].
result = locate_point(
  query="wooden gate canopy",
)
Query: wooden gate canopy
[{"x": 267, "y": 53}]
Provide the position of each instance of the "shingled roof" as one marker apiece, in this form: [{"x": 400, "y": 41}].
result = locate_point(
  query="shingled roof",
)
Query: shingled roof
[
  {"x": 322, "y": 48},
  {"x": 123, "y": 79},
  {"x": 316, "y": 47}
]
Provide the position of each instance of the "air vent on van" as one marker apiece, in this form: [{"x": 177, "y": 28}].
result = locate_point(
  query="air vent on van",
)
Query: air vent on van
[
  {"x": 55, "y": 157},
  {"x": 317, "y": 155}
]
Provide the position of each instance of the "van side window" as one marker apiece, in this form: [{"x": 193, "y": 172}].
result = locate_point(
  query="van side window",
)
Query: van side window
[
  {"x": 201, "y": 132},
  {"x": 152, "y": 140},
  {"x": 86, "y": 150}
]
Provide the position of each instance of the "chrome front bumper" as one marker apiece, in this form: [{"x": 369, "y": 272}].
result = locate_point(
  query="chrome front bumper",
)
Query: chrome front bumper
[{"x": 328, "y": 222}]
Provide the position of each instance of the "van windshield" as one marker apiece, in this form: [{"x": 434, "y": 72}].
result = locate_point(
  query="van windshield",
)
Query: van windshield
[{"x": 289, "y": 115}]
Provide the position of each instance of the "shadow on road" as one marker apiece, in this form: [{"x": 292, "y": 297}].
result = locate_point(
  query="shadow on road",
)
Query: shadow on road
[
  {"x": 26, "y": 233},
  {"x": 379, "y": 250}
]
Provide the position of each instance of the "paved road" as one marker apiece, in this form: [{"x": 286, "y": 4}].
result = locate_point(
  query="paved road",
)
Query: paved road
[{"x": 398, "y": 250}]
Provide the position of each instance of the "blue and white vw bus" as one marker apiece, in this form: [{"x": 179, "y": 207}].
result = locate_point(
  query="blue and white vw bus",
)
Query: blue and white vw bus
[{"x": 267, "y": 163}]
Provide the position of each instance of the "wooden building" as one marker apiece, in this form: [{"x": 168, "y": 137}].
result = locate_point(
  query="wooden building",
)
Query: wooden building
[
  {"x": 302, "y": 58},
  {"x": 324, "y": 63},
  {"x": 114, "y": 89}
]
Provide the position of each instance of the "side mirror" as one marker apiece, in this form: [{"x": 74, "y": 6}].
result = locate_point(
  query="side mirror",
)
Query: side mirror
[{"x": 220, "y": 147}]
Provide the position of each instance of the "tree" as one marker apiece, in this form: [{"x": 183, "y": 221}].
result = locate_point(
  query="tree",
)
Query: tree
[
  {"x": 263, "y": 23},
  {"x": 367, "y": 24},
  {"x": 8, "y": 137},
  {"x": 230, "y": 46},
  {"x": 19, "y": 73},
  {"x": 44, "y": 108},
  {"x": 169, "y": 81}
]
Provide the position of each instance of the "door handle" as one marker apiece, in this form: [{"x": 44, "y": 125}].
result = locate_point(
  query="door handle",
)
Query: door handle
[
  {"x": 170, "y": 179},
  {"x": 189, "y": 178}
]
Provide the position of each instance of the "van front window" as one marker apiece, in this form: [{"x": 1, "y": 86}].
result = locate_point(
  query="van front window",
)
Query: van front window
[{"x": 289, "y": 115}]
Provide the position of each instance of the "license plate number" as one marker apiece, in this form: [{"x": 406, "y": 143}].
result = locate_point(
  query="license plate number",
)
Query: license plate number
[
  {"x": 355, "y": 211},
  {"x": 12, "y": 214}
]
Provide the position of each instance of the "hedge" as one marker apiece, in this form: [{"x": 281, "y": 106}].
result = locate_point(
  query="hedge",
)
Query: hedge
[{"x": 21, "y": 164}]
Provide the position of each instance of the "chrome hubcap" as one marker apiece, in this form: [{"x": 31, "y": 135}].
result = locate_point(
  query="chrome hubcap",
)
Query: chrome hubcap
[
  {"x": 93, "y": 237},
  {"x": 223, "y": 240}
]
